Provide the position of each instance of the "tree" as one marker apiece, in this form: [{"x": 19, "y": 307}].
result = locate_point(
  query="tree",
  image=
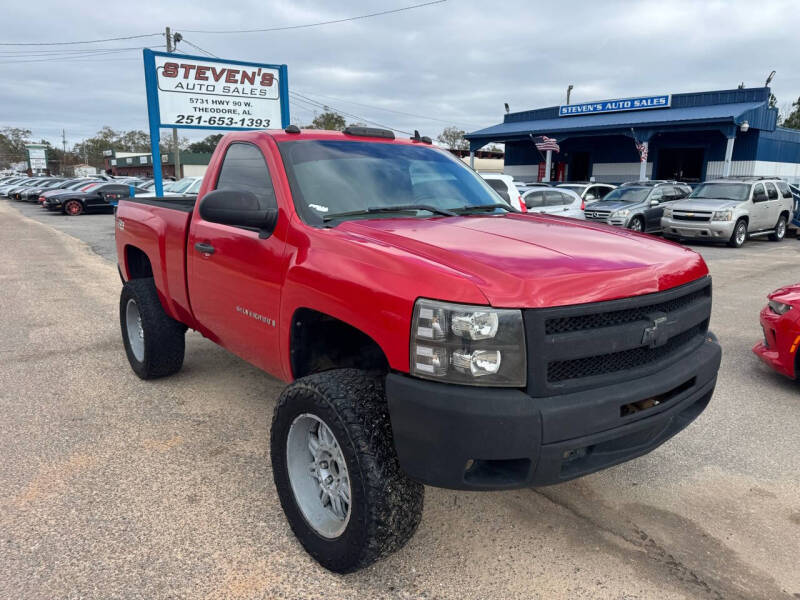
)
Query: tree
[
  {"x": 12, "y": 145},
  {"x": 207, "y": 144},
  {"x": 328, "y": 120},
  {"x": 792, "y": 120},
  {"x": 453, "y": 138}
]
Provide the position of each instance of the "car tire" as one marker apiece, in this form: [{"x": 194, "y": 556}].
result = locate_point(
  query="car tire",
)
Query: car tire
[
  {"x": 384, "y": 507},
  {"x": 739, "y": 235},
  {"x": 780, "y": 230},
  {"x": 636, "y": 224},
  {"x": 73, "y": 208},
  {"x": 154, "y": 341}
]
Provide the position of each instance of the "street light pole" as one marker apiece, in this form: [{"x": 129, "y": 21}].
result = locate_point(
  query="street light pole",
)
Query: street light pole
[{"x": 176, "y": 151}]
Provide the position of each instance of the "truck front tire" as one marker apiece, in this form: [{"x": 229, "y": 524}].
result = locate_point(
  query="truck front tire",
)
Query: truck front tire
[
  {"x": 336, "y": 471},
  {"x": 739, "y": 235},
  {"x": 154, "y": 342}
]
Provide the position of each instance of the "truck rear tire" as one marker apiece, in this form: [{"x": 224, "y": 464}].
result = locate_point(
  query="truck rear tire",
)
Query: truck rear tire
[
  {"x": 336, "y": 471},
  {"x": 154, "y": 342},
  {"x": 780, "y": 230}
]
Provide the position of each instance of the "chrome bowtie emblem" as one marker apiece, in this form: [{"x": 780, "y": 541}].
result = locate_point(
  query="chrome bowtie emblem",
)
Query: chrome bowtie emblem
[{"x": 656, "y": 334}]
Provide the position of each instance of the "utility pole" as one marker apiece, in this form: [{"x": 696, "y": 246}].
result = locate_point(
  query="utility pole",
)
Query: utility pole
[
  {"x": 569, "y": 92},
  {"x": 64, "y": 156},
  {"x": 175, "y": 149}
]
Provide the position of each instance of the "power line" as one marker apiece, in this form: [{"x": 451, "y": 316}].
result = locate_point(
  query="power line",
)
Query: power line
[
  {"x": 129, "y": 37},
  {"x": 80, "y": 56},
  {"x": 307, "y": 25},
  {"x": 195, "y": 46}
]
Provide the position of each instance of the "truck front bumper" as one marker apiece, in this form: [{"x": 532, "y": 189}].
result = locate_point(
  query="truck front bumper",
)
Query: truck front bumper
[
  {"x": 472, "y": 438},
  {"x": 710, "y": 230}
]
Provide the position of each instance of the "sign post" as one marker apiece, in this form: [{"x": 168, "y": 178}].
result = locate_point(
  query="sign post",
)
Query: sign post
[{"x": 195, "y": 92}]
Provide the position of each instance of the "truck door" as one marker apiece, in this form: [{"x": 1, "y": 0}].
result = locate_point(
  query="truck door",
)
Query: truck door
[
  {"x": 773, "y": 204},
  {"x": 234, "y": 276},
  {"x": 759, "y": 213}
]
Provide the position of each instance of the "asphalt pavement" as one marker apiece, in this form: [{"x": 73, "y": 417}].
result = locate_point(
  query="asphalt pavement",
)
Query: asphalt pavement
[{"x": 112, "y": 487}]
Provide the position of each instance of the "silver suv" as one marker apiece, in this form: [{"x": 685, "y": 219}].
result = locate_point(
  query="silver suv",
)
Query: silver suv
[{"x": 731, "y": 209}]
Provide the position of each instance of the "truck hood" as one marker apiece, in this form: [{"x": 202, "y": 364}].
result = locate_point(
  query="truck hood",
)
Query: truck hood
[
  {"x": 533, "y": 260},
  {"x": 611, "y": 205},
  {"x": 709, "y": 204}
]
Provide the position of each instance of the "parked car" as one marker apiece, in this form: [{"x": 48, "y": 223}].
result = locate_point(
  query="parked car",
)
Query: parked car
[
  {"x": 780, "y": 324},
  {"x": 95, "y": 197},
  {"x": 188, "y": 186},
  {"x": 9, "y": 183},
  {"x": 81, "y": 184},
  {"x": 589, "y": 191},
  {"x": 731, "y": 210},
  {"x": 554, "y": 201},
  {"x": 504, "y": 185},
  {"x": 432, "y": 334},
  {"x": 637, "y": 206},
  {"x": 31, "y": 194},
  {"x": 30, "y": 182}
]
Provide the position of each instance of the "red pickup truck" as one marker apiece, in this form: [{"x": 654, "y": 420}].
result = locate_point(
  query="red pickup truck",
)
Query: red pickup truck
[{"x": 431, "y": 333}]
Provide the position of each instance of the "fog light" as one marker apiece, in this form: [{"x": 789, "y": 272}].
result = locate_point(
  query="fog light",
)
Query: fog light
[{"x": 478, "y": 363}]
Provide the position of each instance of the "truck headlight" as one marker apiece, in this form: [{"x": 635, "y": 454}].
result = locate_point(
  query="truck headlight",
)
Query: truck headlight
[
  {"x": 779, "y": 308},
  {"x": 467, "y": 344},
  {"x": 722, "y": 215},
  {"x": 667, "y": 212},
  {"x": 620, "y": 213}
]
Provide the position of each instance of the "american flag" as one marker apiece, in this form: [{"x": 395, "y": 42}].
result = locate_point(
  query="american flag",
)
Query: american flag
[
  {"x": 544, "y": 143},
  {"x": 642, "y": 148}
]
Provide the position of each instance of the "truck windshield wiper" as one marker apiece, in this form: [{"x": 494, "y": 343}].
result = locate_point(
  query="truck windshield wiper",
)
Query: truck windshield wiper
[
  {"x": 481, "y": 207},
  {"x": 388, "y": 209}
]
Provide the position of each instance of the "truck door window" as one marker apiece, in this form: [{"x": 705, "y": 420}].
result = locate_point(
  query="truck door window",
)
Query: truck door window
[
  {"x": 758, "y": 190},
  {"x": 245, "y": 169},
  {"x": 772, "y": 193}
]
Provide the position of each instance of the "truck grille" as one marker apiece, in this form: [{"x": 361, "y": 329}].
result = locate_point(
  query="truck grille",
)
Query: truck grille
[
  {"x": 691, "y": 216},
  {"x": 577, "y": 347}
]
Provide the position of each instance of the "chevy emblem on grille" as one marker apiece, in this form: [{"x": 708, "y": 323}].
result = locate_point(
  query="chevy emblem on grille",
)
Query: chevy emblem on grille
[{"x": 656, "y": 335}]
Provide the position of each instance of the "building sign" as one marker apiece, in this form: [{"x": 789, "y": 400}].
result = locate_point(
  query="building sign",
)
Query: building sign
[
  {"x": 607, "y": 106},
  {"x": 195, "y": 92},
  {"x": 37, "y": 157}
]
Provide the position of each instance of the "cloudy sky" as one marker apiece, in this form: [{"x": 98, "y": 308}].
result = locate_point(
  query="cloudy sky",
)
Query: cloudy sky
[{"x": 454, "y": 62}]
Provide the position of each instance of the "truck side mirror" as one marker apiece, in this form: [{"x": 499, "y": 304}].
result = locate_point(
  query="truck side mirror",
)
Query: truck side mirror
[{"x": 239, "y": 208}]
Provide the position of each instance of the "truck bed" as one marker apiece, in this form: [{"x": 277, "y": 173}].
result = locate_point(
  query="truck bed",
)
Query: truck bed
[
  {"x": 182, "y": 203},
  {"x": 159, "y": 228}
]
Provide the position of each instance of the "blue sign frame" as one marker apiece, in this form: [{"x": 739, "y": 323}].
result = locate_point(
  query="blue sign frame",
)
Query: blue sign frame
[
  {"x": 619, "y": 105},
  {"x": 154, "y": 111}
]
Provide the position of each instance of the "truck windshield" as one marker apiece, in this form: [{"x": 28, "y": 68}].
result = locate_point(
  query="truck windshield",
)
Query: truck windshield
[
  {"x": 627, "y": 194},
  {"x": 721, "y": 191},
  {"x": 369, "y": 179}
]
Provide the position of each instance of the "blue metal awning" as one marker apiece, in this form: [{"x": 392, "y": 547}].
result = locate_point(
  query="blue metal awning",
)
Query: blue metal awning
[{"x": 718, "y": 114}]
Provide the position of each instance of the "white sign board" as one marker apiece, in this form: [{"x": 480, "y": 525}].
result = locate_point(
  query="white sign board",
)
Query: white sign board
[
  {"x": 37, "y": 155},
  {"x": 216, "y": 95}
]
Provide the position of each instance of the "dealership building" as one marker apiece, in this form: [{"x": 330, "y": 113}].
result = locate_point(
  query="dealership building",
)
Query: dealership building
[{"x": 690, "y": 137}]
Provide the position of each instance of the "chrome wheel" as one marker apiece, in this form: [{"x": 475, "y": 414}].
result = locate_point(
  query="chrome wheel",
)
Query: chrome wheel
[
  {"x": 636, "y": 225},
  {"x": 133, "y": 322},
  {"x": 741, "y": 233},
  {"x": 318, "y": 475},
  {"x": 780, "y": 230}
]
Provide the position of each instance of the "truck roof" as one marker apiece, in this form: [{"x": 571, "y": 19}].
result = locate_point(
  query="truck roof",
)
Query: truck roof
[{"x": 353, "y": 134}]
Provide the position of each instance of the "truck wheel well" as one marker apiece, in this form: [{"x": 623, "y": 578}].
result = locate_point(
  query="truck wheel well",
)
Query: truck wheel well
[
  {"x": 320, "y": 342},
  {"x": 786, "y": 214},
  {"x": 138, "y": 264}
]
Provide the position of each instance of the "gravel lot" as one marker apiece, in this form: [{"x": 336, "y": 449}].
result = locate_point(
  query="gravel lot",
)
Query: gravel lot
[{"x": 112, "y": 487}]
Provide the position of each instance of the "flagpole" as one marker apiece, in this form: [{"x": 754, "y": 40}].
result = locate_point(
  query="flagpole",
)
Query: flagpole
[{"x": 548, "y": 160}]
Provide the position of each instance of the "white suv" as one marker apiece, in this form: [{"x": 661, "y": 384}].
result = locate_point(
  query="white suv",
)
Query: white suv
[
  {"x": 731, "y": 210},
  {"x": 505, "y": 186}
]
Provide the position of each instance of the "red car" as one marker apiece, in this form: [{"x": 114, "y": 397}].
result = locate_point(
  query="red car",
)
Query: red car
[{"x": 780, "y": 320}]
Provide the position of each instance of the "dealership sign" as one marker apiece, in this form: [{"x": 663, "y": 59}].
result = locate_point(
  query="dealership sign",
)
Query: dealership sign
[
  {"x": 37, "y": 157},
  {"x": 194, "y": 92},
  {"x": 608, "y": 106}
]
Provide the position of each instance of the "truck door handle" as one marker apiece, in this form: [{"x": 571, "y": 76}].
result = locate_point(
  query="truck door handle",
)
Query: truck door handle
[{"x": 204, "y": 248}]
